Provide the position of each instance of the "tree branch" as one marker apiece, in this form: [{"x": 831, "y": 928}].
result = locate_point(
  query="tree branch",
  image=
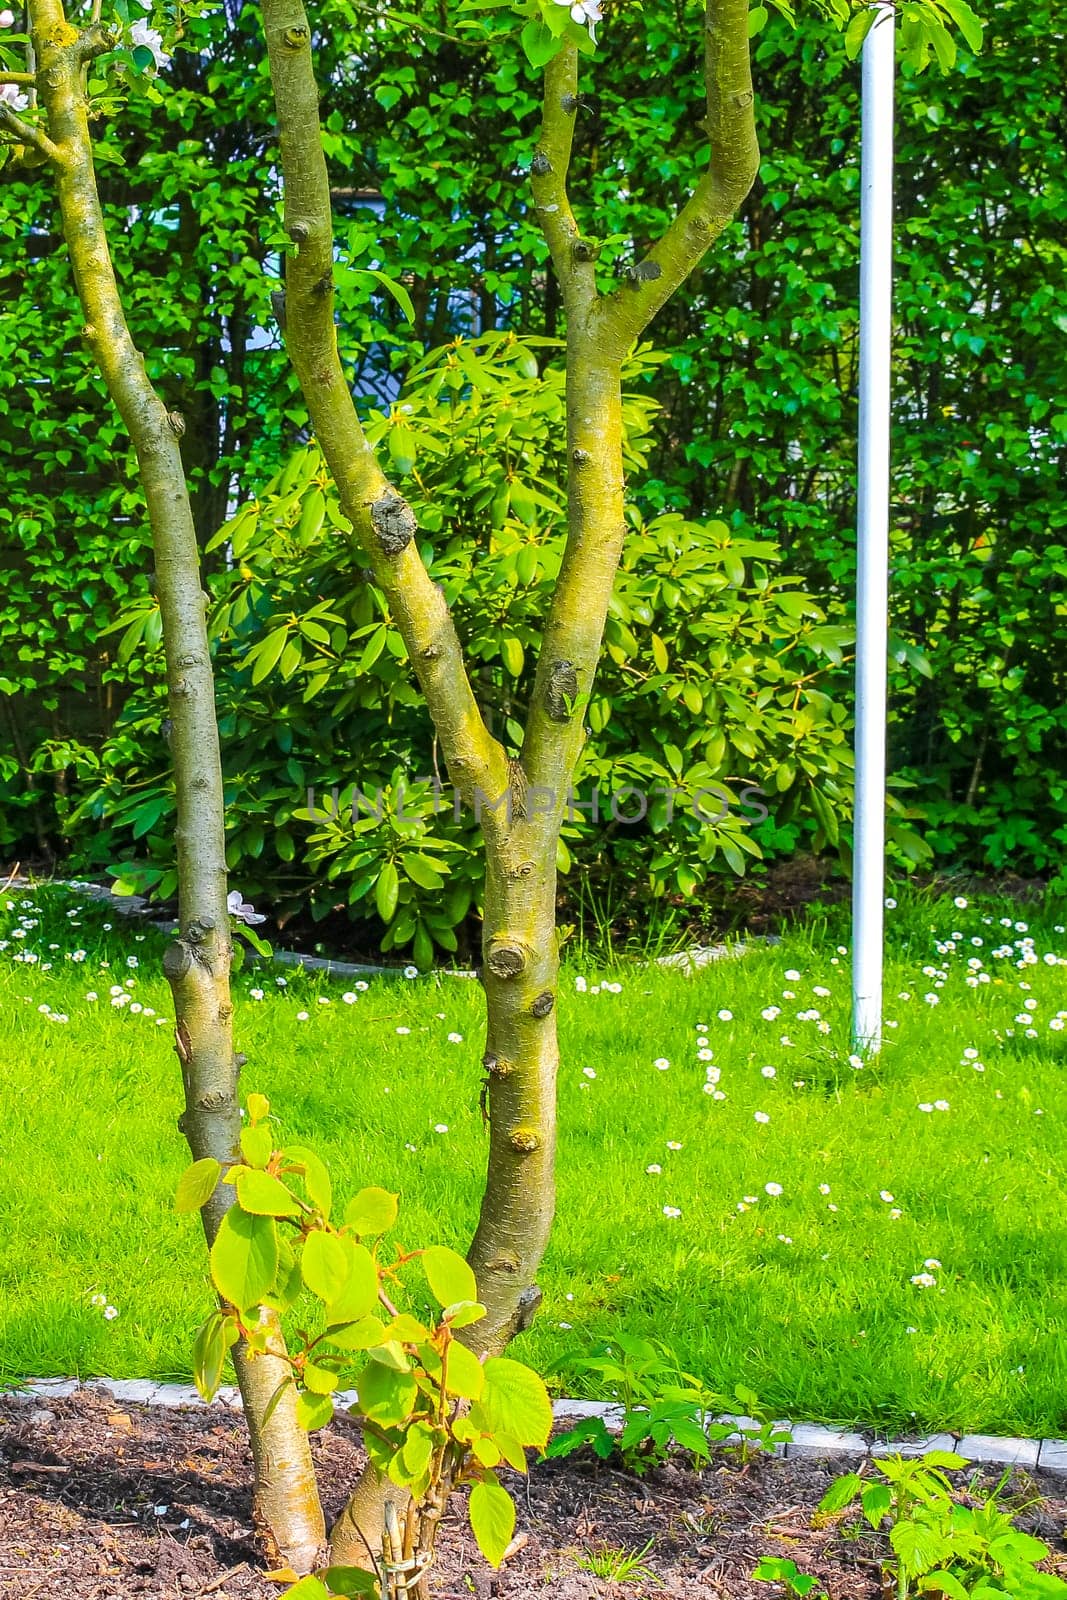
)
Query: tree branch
[
  {"x": 572, "y": 256},
  {"x": 383, "y": 524},
  {"x": 25, "y": 132},
  {"x": 733, "y": 162},
  {"x": 197, "y": 965}
]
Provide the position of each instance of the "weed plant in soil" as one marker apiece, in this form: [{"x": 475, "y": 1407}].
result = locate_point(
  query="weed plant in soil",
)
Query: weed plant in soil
[{"x": 876, "y": 1243}]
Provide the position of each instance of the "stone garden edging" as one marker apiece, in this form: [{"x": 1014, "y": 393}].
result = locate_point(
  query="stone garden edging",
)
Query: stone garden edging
[
  {"x": 137, "y": 908},
  {"x": 808, "y": 1438}
]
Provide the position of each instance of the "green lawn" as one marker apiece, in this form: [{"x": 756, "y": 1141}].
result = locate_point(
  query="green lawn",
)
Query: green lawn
[{"x": 807, "y": 1295}]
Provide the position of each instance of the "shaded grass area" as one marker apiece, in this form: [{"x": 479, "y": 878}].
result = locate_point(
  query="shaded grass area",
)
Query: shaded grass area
[{"x": 806, "y": 1295}]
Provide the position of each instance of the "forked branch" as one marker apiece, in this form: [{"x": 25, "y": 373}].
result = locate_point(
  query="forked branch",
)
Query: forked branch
[
  {"x": 572, "y": 256},
  {"x": 733, "y": 161},
  {"x": 384, "y": 526}
]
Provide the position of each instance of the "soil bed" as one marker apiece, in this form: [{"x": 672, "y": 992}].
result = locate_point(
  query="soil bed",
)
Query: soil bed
[{"x": 109, "y": 1502}]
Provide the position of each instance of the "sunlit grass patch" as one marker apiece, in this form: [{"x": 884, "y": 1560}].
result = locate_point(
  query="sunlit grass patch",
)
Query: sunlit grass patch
[{"x": 730, "y": 1180}]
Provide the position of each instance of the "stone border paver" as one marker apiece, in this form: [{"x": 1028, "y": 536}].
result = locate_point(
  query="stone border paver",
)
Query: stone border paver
[
  {"x": 807, "y": 1438},
  {"x": 138, "y": 907}
]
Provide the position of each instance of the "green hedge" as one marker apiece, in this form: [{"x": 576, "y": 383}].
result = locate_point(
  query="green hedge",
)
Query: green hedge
[{"x": 756, "y": 429}]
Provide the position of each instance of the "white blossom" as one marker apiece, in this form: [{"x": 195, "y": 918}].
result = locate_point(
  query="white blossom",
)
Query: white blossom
[
  {"x": 151, "y": 39},
  {"x": 585, "y": 12},
  {"x": 241, "y": 909}
]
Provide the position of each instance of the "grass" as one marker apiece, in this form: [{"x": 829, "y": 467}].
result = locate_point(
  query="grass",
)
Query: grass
[{"x": 806, "y": 1296}]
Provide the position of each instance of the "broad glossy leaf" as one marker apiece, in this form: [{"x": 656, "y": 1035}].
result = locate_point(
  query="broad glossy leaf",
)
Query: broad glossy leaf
[
  {"x": 197, "y": 1184},
  {"x": 314, "y": 1411},
  {"x": 387, "y": 891},
  {"x": 358, "y": 1295},
  {"x": 257, "y": 1145},
  {"x": 451, "y": 1279},
  {"x": 386, "y": 1396},
  {"x": 325, "y": 1266},
  {"x": 515, "y": 1401},
  {"x": 352, "y": 1581},
  {"x": 265, "y": 1196},
  {"x": 315, "y": 1176},
  {"x": 209, "y": 1356},
  {"x": 360, "y": 1335},
  {"x": 244, "y": 1258},
  {"x": 492, "y": 1514},
  {"x": 371, "y": 1211}
]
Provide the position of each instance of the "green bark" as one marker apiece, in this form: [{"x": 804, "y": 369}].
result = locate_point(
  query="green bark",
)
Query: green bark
[
  {"x": 198, "y": 964},
  {"x": 526, "y": 799}
]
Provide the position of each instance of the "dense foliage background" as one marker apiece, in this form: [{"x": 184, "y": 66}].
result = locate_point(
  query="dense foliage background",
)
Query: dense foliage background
[{"x": 733, "y": 607}]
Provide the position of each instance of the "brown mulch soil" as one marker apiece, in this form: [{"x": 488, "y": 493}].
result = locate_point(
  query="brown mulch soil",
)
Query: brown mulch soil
[{"x": 104, "y": 1502}]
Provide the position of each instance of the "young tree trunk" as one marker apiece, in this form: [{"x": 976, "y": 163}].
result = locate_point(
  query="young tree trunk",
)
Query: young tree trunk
[
  {"x": 520, "y": 973},
  {"x": 197, "y": 965},
  {"x": 522, "y": 802}
]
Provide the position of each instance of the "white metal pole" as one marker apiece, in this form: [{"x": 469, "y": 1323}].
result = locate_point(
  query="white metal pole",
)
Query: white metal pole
[{"x": 872, "y": 595}]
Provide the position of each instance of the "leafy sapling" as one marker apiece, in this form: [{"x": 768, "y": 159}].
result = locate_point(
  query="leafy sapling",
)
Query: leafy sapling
[
  {"x": 434, "y": 1415},
  {"x": 941, "y": 1547},
  {"x": 780, "y": 1569},
  {"x": 663, "y": 1408}
]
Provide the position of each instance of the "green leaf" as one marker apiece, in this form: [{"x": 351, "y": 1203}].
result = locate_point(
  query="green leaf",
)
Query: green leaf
[
  {"x": 319, "y": 1380},
  {"x": 463, "y": 1313},
  {"x": 465, "y": 1374},
  {"x": 390, "y": 1353},
  {"x": 371, "y": 1211},
  {"x": 209, "y": 1356},
  {"x": 312, "y": 515},
  {"x": 385, "y": 1395},
  {"x": 314, "y": 1411},
  {"x": 969, "y": 24},
  {"x": 515, "y": 1401},
  {"x": 944, "y": 1583},
  {"x": 363, "y": 1334},
  {"x": 387, "y": 891},
  {"x": 840, "y": 1493},
  {"x": 244, "y": 1258},
  {"x": 877, "y": 1501},
  {"x": 197, "y": 1184},
  {"x": 325, "y": 1265},
  {"x": 512, "y": 655},
  {"x": 258, "y": 1192},
  {"x": 257, "y": 1147},
  {"x": 316, "y": 1177},
  {"x": 402, "y": 448},
  {"x": 359, "y": 1295},
  {"x": 268, "y": 654},
  {"x": 492, "y": 1514},
  {"x": 258, "y": 1107},
  {"x": 918, "y": 1546},
  {"x": 351, "y": 1581},
  {"x": 858, "y": 28},
  {"x": 394, "y": 287},
  {"x": 450, "y": 1277},
  {"x": 824, "y": 815},
  {"x": 308, "y": 1588},
  {"x": 1017, "y": 1546},
  {"x": 539, "y": 43}
]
